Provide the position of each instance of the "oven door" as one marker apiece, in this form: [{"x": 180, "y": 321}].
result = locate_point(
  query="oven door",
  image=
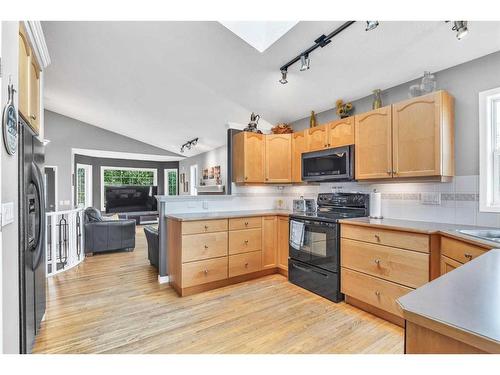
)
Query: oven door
[
  {"x": 320, "y": 245},
  {"x": 334, "y": 164}
]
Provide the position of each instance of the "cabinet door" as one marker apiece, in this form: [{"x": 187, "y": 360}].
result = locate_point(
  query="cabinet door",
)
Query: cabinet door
[
  {"x": 269, "y": 241},
  {"x": 24, "y": 72},
  {"x": 373, "y": 143},
  {"x": 417, "y": 136},
  {"x": 34, "y": 95},
  {"x": 278, "y": 158},
  {"x": 254, "y": 157},
  {"x": 299, "y": 146},
  {"x": 341, "y": 132},
  {"x": 448, "y": 264},
  {"x": 317, "y": 138},
  {"x": 283, "y": 242}
]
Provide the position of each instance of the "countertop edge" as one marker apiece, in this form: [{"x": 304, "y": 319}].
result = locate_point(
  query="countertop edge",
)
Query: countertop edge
[{"x": 228, "y": 216}]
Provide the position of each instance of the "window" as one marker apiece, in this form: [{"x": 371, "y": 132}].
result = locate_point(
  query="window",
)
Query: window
[
  {"x": 122, "y": 176},
  {"x": 171, "y": 182},
  {"x": 489, "y": 150},
  {"x": 83, "y": 185}
]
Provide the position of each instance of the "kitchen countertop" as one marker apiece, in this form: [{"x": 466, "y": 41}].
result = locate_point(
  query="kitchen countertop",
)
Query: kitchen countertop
[
  {"x": 425, "y": 227},
  {"x": 464, "y": 300},
  {"x": 193, "y": 216}
]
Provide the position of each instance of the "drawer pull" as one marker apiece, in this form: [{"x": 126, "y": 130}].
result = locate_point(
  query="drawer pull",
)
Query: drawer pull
[
  {"x": 377, "y": 293},
  {"x": 377, "y": 261},
  {"x": 246, "y": 223},
  {"x": 246, "y": 242},
  {"x": 246, "y": 265},
  {"x": 468, "y": 256},
  {"x": 206, "y": 227},
  {"x": 205, "y": 272},
  {"x": 377, "y": 237},
  {"x": 206, "y": 247}
]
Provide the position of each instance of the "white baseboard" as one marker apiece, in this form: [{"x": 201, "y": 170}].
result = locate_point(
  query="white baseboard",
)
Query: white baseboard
[{"x": 162, "y": 279}]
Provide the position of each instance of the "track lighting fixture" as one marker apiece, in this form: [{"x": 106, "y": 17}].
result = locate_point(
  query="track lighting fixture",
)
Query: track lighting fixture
[
  {"x": 304, "y": 62},
  {"x": 370, "y": 25},
  {"x": 189, "y": 144},
  {"x": 461, "y": 28},
  {"x": 283, "y": 79}
]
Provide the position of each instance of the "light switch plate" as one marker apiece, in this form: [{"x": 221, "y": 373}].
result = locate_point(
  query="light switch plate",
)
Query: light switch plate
[
  {"x": 7, "y": 213},
  {"x": 433, "y": 199}
]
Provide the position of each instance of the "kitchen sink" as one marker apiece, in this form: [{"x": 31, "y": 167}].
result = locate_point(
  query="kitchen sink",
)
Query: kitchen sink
[{"x": 485, "y": 234}]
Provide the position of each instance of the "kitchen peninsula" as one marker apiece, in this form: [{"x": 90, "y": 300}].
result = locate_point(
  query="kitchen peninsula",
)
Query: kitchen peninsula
[{"x": 210, "y": 250}]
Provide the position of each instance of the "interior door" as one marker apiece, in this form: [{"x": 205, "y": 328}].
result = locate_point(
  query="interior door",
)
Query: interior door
[
  {"x": 416, "y": 136},
  {"x": 373, "y": 144}
]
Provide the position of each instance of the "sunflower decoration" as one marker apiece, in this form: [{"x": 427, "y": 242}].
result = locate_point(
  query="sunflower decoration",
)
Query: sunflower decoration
[{"x": 343, "y": 109}]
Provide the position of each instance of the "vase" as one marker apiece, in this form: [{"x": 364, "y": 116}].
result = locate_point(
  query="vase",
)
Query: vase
[
  {"x": 428, "y": 83},
  {"x": 312, "y": 120},
  {"x": 377, "y": 99}
]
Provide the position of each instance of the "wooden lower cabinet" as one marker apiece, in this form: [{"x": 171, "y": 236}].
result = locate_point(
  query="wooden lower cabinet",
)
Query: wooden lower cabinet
[
  {"x": 269, "y": 241},
  {"x": 245, "y": 263},
  {"x": 283, "y": 235},
  {"x": 208, "y": 254},
  {"x": 204, "y": 271},
  {"x": 448, "y": 264}
]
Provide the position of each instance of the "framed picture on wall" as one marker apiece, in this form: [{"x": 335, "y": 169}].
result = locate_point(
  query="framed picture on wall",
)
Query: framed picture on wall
[{"x": 205, "y": 174}]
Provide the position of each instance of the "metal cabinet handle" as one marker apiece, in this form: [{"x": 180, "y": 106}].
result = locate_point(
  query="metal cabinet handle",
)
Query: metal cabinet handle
[
  {"x": 206, "y": 247},
  {"x": 246, "y": 242},
  {"x": 468, "y": 256},
  {"x": 389, "y": 171},
  {"x": 246, "y": 178},
  {"x": 377, "y": 293},
  {"x": 326, "y": 145},
  {"x": 377, "y": 237},
  {"x": 206, "y": 227},
  {"x": 205, "y": 272},
  {"x": 377, "y": 261},
  {"x": 246, "y": 265},
  {"x": 246, "y": 223},
  {"x": 33, "y": 117}
]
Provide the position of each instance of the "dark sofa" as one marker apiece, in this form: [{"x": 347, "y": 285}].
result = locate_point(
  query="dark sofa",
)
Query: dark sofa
[
  {"x": 153, "y": 245},
  {"x": 107, "y": 235}
]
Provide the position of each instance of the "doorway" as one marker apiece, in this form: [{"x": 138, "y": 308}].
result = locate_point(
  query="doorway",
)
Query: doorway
[
  {"x": 83, "y": 185},
  {"x": 193, "y": 179},
  {"x": 50, "y": 182}
]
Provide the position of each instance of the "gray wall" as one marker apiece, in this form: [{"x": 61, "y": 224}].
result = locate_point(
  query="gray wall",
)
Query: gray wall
[
  {"x": 212, "y": 158},
  {"x": 66, "y": 133},
  {"x": 9, "y": 175},
  {"x": 97, "y": 163},
  {"x": 464, "y": 82}
]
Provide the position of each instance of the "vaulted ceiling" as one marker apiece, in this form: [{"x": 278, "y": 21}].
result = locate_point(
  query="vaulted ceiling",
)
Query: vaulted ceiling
[{"x": 164, "y": 83}]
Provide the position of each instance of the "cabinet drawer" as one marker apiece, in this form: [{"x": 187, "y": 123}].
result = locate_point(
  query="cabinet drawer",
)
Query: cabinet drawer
[
  {"x": 405, "y": 267},
  {"x": 460, "y": 251},
  {"x": 372, "y": 290},
  {"x": 243, "y": 241},
  {"x": 203, "y": 246},
  {"x": 245, "y": 263},
  {"x": 245, "y": 223},
  {"x": 204, "y": 271},
  {"x": 403, "y": 240},
  {"x": 204, "y": 226}
]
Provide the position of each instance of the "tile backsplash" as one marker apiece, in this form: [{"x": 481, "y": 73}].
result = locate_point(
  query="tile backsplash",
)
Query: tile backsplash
[{"x": 458, "y": 200}]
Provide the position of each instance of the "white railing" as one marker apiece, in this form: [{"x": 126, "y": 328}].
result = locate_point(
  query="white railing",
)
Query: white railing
[{"x": 64, "y": 237}]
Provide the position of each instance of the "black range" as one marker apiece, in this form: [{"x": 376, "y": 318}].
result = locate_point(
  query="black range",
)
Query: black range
[{"x": 314, "y": 244}]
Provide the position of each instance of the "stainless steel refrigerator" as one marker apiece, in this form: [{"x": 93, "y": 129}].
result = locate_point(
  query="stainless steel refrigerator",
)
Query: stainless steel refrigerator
[{"x": 32, "y": 268}]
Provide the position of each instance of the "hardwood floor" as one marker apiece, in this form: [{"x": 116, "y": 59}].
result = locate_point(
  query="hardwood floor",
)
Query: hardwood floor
[{"x": 112, "y": 303}]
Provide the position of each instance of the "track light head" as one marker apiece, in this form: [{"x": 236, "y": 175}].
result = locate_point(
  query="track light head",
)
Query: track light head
[
  {"x": 283, "y": 79},
  {"x": 304, "y": 62},
  {"x": 371, "y": 25},
  {"x": 461, "y": 28}
]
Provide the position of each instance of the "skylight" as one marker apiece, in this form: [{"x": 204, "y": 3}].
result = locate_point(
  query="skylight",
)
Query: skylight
[{"x": 259, "y": 34}]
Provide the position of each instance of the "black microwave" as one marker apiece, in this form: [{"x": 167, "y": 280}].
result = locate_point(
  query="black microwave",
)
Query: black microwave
[{"x": 334, "y": 164}]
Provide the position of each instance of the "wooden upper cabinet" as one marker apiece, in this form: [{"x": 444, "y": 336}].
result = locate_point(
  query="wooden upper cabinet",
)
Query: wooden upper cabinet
[
  {"x": 341, "y": 132},
  {"x": 373, "y": 144},
  {"x": 299, "y": 146},
  {"x": 269, "y": 241},
  {"x": 24, "y": 73},
  {"x": 317, "y": 138},
  {"x": 423, "y": 136},
  {"x": 248, "y": 157},
  {"x": 278, "y": 158},
  {"x": 34, "y": 95}
]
